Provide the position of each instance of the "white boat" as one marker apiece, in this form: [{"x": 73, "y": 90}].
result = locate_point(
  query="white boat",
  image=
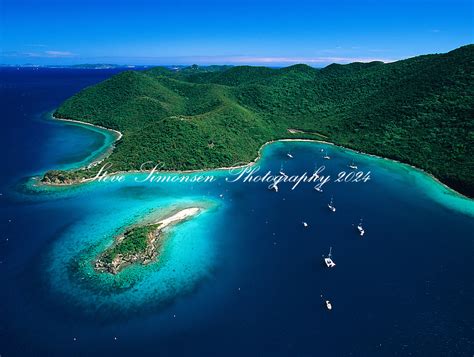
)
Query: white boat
[
  {"x": 360, "y": 228},
  {"x": 281, "y": 170},
  {"x": 315, "y": 174},
  {"x": 274, "y": 188},
  {"x": 352, "y": 165},
  {"x": 328, "y": 305},
  {"x": 319, "y": 189},
  {"x": 289, "y": 155},
  {"x": 328, "y": 260},
  {"x": 331, "y": 206},
  {"x": 326, "y": 156},
  {"x": 305, "y": 224}
]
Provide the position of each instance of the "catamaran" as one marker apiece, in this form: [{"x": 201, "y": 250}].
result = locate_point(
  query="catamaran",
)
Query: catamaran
[
  {"x": 328, "y": 305},
  {"x": 352, "y": 165},
  {"x": 331, "y": 206},
  {"x": 328, "y": 260},
  {"x": 360, "y": 228}
]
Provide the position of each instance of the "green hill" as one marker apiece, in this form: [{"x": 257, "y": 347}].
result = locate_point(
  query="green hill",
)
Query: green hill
[{"x": 419, "y": 111}]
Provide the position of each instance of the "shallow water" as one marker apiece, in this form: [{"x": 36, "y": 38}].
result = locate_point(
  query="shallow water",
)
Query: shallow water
[{"x": 243, "y": 278}]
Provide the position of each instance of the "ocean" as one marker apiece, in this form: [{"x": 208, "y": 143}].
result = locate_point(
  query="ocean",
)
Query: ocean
[{"x": 245, "y": 277}]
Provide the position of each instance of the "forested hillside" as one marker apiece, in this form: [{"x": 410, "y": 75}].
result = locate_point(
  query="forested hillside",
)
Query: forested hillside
[{"x": 419, "y": 111}]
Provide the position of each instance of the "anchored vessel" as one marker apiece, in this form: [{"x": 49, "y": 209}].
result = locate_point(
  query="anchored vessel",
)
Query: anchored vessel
[
  {"x": 331, "y": 206},
  {"x": 360, "y": 229},
  {"x": 315, "y": 174},
  {"x": 273, "y": 187},
  {"x": 352, "y": 165},
  {"x": 328, "y": 260},
  {"x": 328, "y": 305},
  {"x": 281, "y": 170}
]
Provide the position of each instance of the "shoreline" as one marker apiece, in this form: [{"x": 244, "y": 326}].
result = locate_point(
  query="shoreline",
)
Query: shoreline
[
  {"x": 178, "y": 216},
  {"x": 105, "y": 152},
  {"x": 118, "y": 133},
  {"x": 251, "y": 163},
  {"x": 154, "y": 241}
]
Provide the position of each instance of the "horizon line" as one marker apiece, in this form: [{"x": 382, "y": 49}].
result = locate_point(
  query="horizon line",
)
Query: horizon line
[{"x": 68, "y": 59}]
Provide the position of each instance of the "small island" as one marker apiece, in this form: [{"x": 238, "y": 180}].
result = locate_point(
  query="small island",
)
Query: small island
[{"x": 140, "y": 244}]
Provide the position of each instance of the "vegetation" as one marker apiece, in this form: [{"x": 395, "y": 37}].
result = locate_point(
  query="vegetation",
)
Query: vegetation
[
  {"x": 418, "y": 111},
  {"x": 134, "y": 242}
]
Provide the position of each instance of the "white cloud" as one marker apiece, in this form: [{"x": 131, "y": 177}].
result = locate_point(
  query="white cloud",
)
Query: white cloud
[
  {"x": 39, "y": 54},
  {"x": 59, "y": 53}
]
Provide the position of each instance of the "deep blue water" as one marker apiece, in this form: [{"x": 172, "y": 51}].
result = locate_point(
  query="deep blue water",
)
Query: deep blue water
[{"x": 245, "y": 277}]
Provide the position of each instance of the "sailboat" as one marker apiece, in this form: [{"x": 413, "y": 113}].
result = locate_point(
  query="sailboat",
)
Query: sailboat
[
  {"x": 328, "y": 305},
  {"x": 360, "y": 228},
  {"x": 328, "y": 260},
  {"x": 326, "y": 156},
  {"x": 273, "y": 187},
  {"x": 315, "y": 173},
  {"x": 281, "y": 170},
  {"x": 331, "y": 206},
  {"x": 352, "y": 165}
]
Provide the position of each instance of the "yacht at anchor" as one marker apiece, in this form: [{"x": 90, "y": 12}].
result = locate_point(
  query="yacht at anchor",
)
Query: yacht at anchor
[
  {"x": 360, "y": 229},
  {"x": 328, "y": 260},
  {"x": 331, "y": 206}
]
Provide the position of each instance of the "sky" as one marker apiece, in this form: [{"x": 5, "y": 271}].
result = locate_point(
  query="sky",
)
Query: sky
[{"x": 259, "y": 32}]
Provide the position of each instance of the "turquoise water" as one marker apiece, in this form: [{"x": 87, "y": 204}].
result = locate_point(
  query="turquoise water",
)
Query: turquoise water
[
  {"x": 186, "y": 260},
  {"x": 242, "y": 278},
  {"x": 100, "y": 142},
  {"x": 426, "y": 184},
  {"x": 189, "y": 253}
]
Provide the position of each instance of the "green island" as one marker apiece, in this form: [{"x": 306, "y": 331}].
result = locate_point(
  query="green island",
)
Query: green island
[
  {"x": 141, "y": 244},
  {"x": 419, "y": 111}
]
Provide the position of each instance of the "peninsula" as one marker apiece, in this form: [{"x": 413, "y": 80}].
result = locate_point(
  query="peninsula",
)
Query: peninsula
[
  {"x": 419, "y": 111},
  {"x": 139, "y": 244}
]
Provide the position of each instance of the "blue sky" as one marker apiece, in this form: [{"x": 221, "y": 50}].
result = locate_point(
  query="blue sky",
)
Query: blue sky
[{"x": 261, "y": 32}]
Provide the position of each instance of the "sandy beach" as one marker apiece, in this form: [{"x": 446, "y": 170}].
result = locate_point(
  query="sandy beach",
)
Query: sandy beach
[
  {"x": 179, "y": 216},
  {"x": 258, "y": 157}
]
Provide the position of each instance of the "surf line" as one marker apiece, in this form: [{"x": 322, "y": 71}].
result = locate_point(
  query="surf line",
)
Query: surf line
[{"x": 251, "y": 175}]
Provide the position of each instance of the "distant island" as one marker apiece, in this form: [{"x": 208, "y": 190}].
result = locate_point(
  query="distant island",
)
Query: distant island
[
  {"x": 75, "y": 66},
  {"x": 418, "y": 111},
  {"x": 139, "y": 245}
]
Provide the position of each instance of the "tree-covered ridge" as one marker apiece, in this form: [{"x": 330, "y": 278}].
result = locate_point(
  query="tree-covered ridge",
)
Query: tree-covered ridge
[
  {"x": 418, "y": 110},
  {"x": 134, "y": 241}
]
